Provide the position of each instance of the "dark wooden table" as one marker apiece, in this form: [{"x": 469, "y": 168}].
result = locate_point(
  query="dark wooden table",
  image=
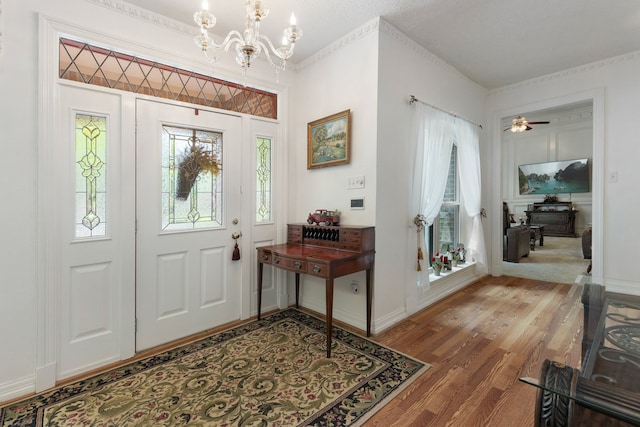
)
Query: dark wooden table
[
  {"x": 537, "y": 233},
  {"x": 320, "y": 251}
]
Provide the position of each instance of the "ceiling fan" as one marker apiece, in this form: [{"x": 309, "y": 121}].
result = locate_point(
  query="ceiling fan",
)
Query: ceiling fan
[{"x": 520, "y": 124}]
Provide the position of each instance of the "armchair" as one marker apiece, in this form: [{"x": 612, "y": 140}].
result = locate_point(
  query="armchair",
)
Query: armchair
[
  {"x": 516, "y": 240},
  {"x": 517, "y": 243}
]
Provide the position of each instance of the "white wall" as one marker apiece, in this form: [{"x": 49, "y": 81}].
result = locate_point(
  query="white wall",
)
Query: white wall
[
  {"x": 370, "y": 74},
  {"x": 341, "y": 77},
  {"x": 18, "y": 251},
  {"x": 617, "y": 78},
  {"x": 406, "y": 69}
]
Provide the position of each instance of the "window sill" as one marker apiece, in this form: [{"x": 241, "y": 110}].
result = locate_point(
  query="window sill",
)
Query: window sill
[
  {"x": 447, "y": 283},
  {"x": 449, "y": 273}
]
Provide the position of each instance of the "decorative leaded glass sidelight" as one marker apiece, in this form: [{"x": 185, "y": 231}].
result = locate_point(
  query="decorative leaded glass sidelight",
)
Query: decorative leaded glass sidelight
[
  {"x": 91, "y": 175},
  {"x": 263, "y": 179},
  {"x": 191, "y": 178}
]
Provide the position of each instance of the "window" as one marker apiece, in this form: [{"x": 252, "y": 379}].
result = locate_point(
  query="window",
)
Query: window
[
  {"x": 91, "y": 176},
  {"x": 191, "y": 182},
  {"x": 94, "y": 65},
  {"x": 444, "y": 232},
  {"x": 263, "y": 179}
]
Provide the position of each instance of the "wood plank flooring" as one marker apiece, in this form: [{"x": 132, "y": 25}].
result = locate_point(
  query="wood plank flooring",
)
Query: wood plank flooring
[{"x": 479, "y": 341}]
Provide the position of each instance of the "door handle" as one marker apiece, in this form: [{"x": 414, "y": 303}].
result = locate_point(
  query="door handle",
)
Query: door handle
[{"x": 235, "y": 235}]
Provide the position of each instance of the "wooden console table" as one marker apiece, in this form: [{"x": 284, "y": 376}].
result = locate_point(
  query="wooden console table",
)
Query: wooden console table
[{"x": 323, "y": 251}]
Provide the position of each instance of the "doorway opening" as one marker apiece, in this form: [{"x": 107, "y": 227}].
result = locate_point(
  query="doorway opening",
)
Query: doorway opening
[{"x": 569, "y": 135}]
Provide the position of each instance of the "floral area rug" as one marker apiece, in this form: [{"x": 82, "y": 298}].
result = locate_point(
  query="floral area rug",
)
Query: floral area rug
[{"x": 272, "y": 372}]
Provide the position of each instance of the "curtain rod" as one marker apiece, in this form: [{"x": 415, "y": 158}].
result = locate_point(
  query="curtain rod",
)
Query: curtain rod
[{"x": 413, "y": 99}]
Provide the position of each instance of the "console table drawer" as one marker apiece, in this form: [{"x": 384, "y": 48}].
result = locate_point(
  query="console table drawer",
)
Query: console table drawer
[
  {"x": 290, "y": 264},
  {"x": 264, "y": 257},
  {"x": 318, "y": 269}
]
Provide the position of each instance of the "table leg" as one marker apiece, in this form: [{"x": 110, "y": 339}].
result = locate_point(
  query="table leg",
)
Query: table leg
[
  {"x": 369, "y": 298},
  {"x": 260, "y": 268},
  {"x": 329, "y": 315},
  {"x": 297, "y": 290}
]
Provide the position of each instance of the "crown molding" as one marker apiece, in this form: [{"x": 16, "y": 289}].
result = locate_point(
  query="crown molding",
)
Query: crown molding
[
  {"x": 145, "y": 15},
  {"x": 582, "y": 69},
  {"x": 355, "y": 35},
  {"x": 379, "y": 24}
]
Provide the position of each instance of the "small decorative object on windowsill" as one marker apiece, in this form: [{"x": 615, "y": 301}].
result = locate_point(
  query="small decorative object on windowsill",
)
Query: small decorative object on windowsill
[
  {"x": 463, "y": 253},
  {"x": 437, "y": 262},
  {"x": 455, "y": 257}
]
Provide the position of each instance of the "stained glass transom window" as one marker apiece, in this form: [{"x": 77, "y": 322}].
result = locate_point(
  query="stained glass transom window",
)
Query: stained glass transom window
[
  {"x": 263, "y": 179},
  {"x": 191, "y": 178},
  {"x": 94, "y": 65},
  {"x": 91, "y": 175}
]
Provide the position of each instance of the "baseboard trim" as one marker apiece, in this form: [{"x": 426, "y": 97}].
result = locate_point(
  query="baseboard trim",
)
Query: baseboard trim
[
  {"x": 448, "y": 285},
  {"x": 622, "y": 287},
  {"x": 46, "y": 377},
  {"x": 17, "y": 389}
]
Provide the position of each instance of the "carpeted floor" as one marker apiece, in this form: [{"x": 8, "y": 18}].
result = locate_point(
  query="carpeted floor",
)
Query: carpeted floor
[
  {"x": 559, "y": 260},
  {"x": 272, "y": 372}
]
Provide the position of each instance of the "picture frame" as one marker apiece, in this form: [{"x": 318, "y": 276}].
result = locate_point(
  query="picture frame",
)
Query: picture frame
[
  {"x": 329, "y": 140},
  {"x": 565, "y": 176}
]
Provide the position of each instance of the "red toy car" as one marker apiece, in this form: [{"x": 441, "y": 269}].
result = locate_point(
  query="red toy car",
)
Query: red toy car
[{"x": 324, "y": 216}]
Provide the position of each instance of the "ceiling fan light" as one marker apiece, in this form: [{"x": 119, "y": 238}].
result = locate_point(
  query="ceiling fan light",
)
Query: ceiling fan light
[{"x": 518, "y": 127}]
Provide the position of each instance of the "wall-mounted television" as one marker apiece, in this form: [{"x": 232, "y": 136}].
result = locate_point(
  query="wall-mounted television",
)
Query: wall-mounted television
[{"x": 566, "y": 176}]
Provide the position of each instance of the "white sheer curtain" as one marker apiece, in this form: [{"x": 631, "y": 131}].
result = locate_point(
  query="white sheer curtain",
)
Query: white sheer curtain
[
  {"x": 432, "y": 138},
  {"x": 466, "y": 136}
]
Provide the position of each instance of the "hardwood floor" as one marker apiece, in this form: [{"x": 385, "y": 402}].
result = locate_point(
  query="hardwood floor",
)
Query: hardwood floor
[{"x": 479, "y": 341}]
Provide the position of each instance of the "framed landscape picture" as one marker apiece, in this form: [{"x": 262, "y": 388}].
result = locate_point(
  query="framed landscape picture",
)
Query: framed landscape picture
[
  {"x": 567, "y": 176},
  {"x": 329, "y": 140}
]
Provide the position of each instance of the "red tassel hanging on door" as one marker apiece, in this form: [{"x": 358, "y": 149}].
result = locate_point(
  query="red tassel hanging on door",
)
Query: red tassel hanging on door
[{"x": 236, "y": 253}]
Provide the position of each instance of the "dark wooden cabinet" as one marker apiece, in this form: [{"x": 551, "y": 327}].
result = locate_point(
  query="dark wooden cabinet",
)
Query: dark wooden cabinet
[{"x": 558, "y": 218}]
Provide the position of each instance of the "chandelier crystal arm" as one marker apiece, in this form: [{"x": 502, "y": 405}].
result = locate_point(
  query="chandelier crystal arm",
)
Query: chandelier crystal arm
[{"x": 284, "y": 52}]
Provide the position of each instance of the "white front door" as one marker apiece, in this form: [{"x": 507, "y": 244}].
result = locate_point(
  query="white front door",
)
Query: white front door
[{"x": 186, "y": 280}]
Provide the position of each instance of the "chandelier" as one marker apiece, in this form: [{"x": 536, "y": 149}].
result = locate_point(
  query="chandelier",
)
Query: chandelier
[{"x": 248, "y": 44}]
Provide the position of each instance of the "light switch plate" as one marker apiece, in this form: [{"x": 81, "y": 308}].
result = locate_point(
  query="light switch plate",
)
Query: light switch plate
[{"x": 355, "y": 182}]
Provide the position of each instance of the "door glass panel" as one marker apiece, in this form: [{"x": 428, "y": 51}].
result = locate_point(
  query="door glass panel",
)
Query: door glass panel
[
  {"x": 263, "y": 179},
  {"x": 191, "y": 178},
  {"x": 91, "y": 176}
]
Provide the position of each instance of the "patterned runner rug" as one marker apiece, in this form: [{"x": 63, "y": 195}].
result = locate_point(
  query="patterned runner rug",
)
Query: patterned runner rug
[{"x": 272, "y": 372}]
